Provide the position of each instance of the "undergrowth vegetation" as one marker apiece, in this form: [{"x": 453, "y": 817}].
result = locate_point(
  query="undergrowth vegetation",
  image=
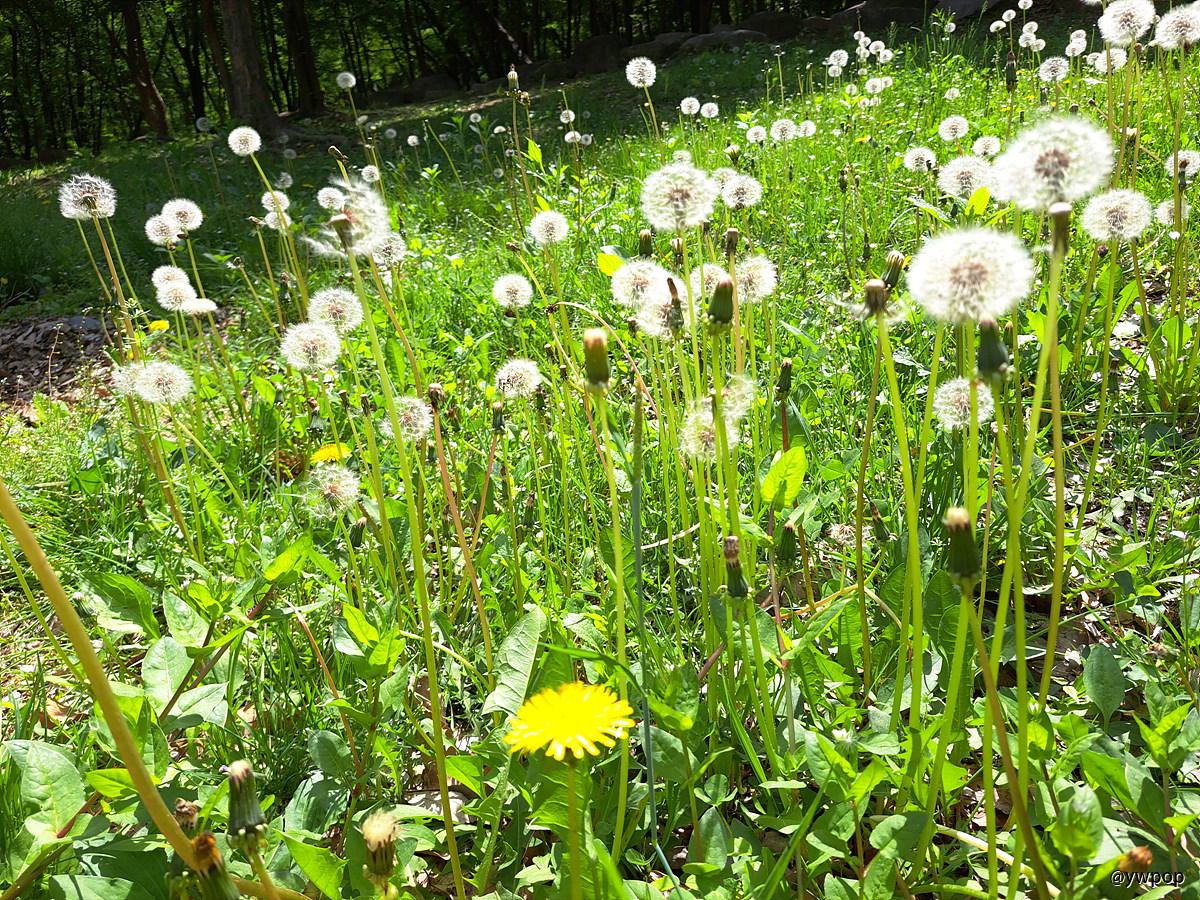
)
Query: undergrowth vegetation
[{"x": 786, "y": 498}]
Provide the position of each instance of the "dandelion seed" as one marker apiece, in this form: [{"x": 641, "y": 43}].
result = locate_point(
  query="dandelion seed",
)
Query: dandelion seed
[
  {"x": 1054, "y": 69},
  {"x": 709, "y": 111},
  {"x": 275, "y": 200},
  {"x": 741, "y": 192},
  {"x": 756, "y": 134},
  {"x": 331, "y": 489},
  {"x": 160, "y": 232},
  {"x": 577, "y": 717},
  {"x": 689, "y": 106},
  {"x": 1059, "y": 160},
  {"x": 174, "y": 295},
  {"x": 330, "y": 198},
  {"x": 311, "y": 346},
  {"x": 640, "y": 72},
  {"x": 1125, "y": 21},
  {"x": 963, "y": 176},
  {"x": 415, "y": 417},
  {"x": 920, "y": 159},
  {"x": 337, "y": 307},
  {"x": 953, "y": 128},
  {"x": 969, "y": 274},
  {"x": 1164, "y": 213},
  {"x": 518, "y": 378},
  {"x": 346, "y": 81},
  {"x": 549, "y": 227},
  {"x": 1111, "y": 60},
  {"x": 83, "y": 197},
  {"x": 1120, "y": 215},
  {"x": 370, "y": 174},
  {"x": 162, "y": 383},
  {"x": 677, "y": 196},
  {"x": 244, "y": 140},
  {"x": 952, "y": 403},
  {"x": 1179, "y": 28},
  {"x": 183, "y": 214},
  {"x": 756, "y": 278},
  {"x": 359, "y": 227},
  {"x": 638, "y": 282}
]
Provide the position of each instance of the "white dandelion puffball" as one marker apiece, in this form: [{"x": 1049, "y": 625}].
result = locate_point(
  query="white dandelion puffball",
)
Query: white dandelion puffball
[
  {"x": 1184, "y": 165},
  {"x": 284, "y": 181},
  {"x": 362, "y": 120},
  {"x": 278, "y": 221},
  {"x": 1008, "y": 15},
  {"x": 566, "y": 117},
  {"x": 512, "y": 291},
  {"x": 640, "y": 72},
  {"x": 876, "y": 46},
  {"x": 1026, "y": 40},
  {"x": 310, "y": 346},
  {"x": 244, "y": 140},
  {"x": 808, "y": 127},
  {"x": 952, "y": 403},
  {"x": 83, "y": 196},
  {"x": 969, "y": 274},
  {"x": 638, "y": 282},
  {"x": 1120, "y": 215},
  {"x": 198, "y": 306},
  {"x": 272, "y": 200},
  {"x": 996, "y": 26},
  {"x": 391, "y": 250},
  {"x": 1038, "y": 45},
  {"x": 834, "y": 71},
  {"x": 986, "y": 146},
  {"x": 1111, "y": 60},
  {"x": 756, "y": 134},
  {"x": 1164, "y": 213},
  {"x": 920, "y": 159},
  {"x": 953, "y": 128},
  {"x": 361, "y": 225},
  {"x": 167, "y": 275},
  {"x": 337, "y": 307},
  {"x": 585, "y": 139},
  {"x": 678, "y": 196},
  {"x": 1074, "y": 49},
  {"x": 682, "y": 156},
  {"x": 390, "y": 134},
  {"x": 963, "y": 176},
  {"x": 1058, "y": 160},
  {"x": 415, "y": 418},
  {"x": 709, "y": 111},
  {"x": 331, "y": 489},
  {"x": 346, "y": 81},
  {"x": 289, "y": 153},
  {"x": 330, "y": 198},
  {"x": 1054, "y": 69},
  {"x": 873, "y": 86},
  {"x": 756, "y": 278},
  {"x": 173, "y": 296},
  {"x": 160, "y": 232},
  {"x": 783, "y": 130},
  {"x": 549, "y": 227},
  {"x": 689, "y": 106},
  {"x": 1024, "y": 5},
  {"x": 952, "y": 94},
  {"x": 123, "y": 378},
  {"x": 652, "y": 318},
  {"x": 741, "y": 191},
  {"x": 162, "y": 382},
  {"x": 370, "y": 174},
  {"x": 183, "y": 214},
  {"x": 885, "y": 56},
  {"x": 1030, "y": 27},
  {"x": 838, "y": 58},
  {"x": 204, "y": 124},
  {"x": 1125, "y": 21},
  {"x": 704, "y": 279},
  {"x": 414, "y": 140},
  {"x": 573, "y": 137},
  {"x": 518, "y": 378},
  {"x": 1179, "y": 28}
]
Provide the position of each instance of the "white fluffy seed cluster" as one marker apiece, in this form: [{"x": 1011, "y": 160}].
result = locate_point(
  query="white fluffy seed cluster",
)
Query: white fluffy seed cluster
[
  {"x": 1179, "y": 28},
  {"x": 338, "y": 308},
  {"x": 311, "y": 346},
  {"x": 244, "y": 140},
  {"x": 1119, "y": 215},
  {"x": 639, "y": 282},
  {"x": 1059, "y": 160},
  {"x": 415, "y": 418},
  {"x": 953, "y": 128},
  {"x": 952, "y": 403},
  {"x": 82, "y": 197},
  {"x": 640, "y": 72},
  {"x": 920, "y": 159},
  {"x": 331, "y": 489},
  {"x": 512, "y": 291},
  {"x": 678, "y": 196},
  {"x": 346, "y": 81},
  {"x": 549, "y": 227},
  {"x": 1125, "y": 21},
  {"x": 969, "y": 274},
  {"x": 158, "y": 382},
  {"x": 518, "y": 377},
  {"x": 963, "y": 176}
]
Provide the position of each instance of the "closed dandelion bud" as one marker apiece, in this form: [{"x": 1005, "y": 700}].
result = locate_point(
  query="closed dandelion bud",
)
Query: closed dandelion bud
[
  {"x": 675, "y": 321},
  {"x": 735, "y": 581},
  {"x": 646, "y": 243},
  {"x": 214, "y": 880},
  {"x": 1138, "y": 859},
  {"x": 247, "y": 824},
  {"x": 677, "y": 250},
  {"x": 963, "y": 561},
  {"x": 379, "y": 836},
  {"x": 866, "y": 248},
  {"x": 1010, "y": 72},
  {"x": 563, "y": 372},
  {"x": 993, "y": 354},
  {"x": 632, "y": 325},
  {"x": 187, "y": 814},
  {"x": 595, "y": 359},
  {"x": 785, "y": 552},
  {"x": 783, "y": 384},
  {"x": 436, "y": 395},
  {"x": 498, "y": 418},
  {"x": 512, "y": 248},
  {"x": 1060, "y": 228},
  {"x": 731, "y": 241},
  {"x": 875, "y": 296},
  {"x": 893, "y": 268},
  {"x": 1073, "y": 109},
  {"x": 514, "y": 82},
  {"x": 843, "y": 181},
  {"x": 734, "y": 152},
  {"x": 527, "y": 521},
  {"x": 720, "y": 308}
]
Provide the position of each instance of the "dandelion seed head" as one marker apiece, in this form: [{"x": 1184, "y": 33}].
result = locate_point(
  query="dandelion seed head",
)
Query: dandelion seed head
[
  {"x": 284, "y": 181},
  {"x": 1008, "y": 15},
  {"x": 331, "y": 489},
  {"x": 756, "y": 134},
  {"x": 244, "y": 140},
  {"x": 1119, "y": 215},
  {"x": 1179, "y": 28},
  {"x": 183, "y": 214},
  {"x": 638, "y": 282},
  {"x": 783, "y": 130},
  {"x": 337, "y": 307},
  {"x": 963, "y": 176},
  {"x": 1054, "y": 69},
  {"x": 549, "y": 227},
  {"x": 677, "y": 196},
  {"x": 1184, "y": 165},
  {"x": 518, "y": 378},
  {"x": 330, "y": 198},
  {"x": 1164, "y": 213},
  {"x": 808, "y": 127},
  {"x": 204, "y": 124},
  {"x": 969, "y": 274},
  {"x": 952, "y": 94},
  {"x": 162, "y": 383},
  {"x": 167, "y": 274},
  {"x": 741, "y": 191},
  {"x": 278, "y": 221},
  {"x": 289, "y": 153},
  {"x": 310, "y": 346},
  {"x": 197, "y": 306},
  {"x": 920, "y": 159},
  {"x": 709, "y": 111},
  {"x": 838, "y": 58},
  {"x": 704, "y": 279},
  {"x": 274, "y": 200},
  {"x": 572, "y": 137},
  {"x": 757, "y": 278},
  {"x": 722, "y": 175},
  {"x": 885, "y": 56},
  {"x": 370, "y": 174},
  {"x": 83, "y": 196},
  {"x": 1058, "y": 160},
  {"x": 415, "y": 417},
  {"x": 1125, "y": 21},
  {"x": 390, "y": 134},
  {"x": 986, "y": 146},
  {"x": 689, "y": 106},
  {"x": 346, "y": 81},
  {"x": 952, "y": 403},
  {"x": 996, "y": 26},
  {"x": 160, "y": 232},
  {"x": 123, "y": 378},
  {"x": 173, "y": 295},
  {"x": 834, "y": 71},
  {"x": 953, "y": 128},
  {"x": 567, "y": 116},
  {"x": 873, "y": 86},
  {"x": 640, "y": 72},
  {"x": 512, "y": 291},
  {"x": 391, "y": 250},
  {"x": 1111, "y": 60},
  {"x": 1030, "y": 28},
  {"x": 1074, "y": 49},
  {"x": 359, "y": 226}
]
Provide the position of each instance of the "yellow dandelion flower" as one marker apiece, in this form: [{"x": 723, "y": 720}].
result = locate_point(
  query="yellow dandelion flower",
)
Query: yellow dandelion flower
[
  {"x": 331, "y": 453},
  {"x": 574, "y": 716},
  {"x": 159, "y": 325}
]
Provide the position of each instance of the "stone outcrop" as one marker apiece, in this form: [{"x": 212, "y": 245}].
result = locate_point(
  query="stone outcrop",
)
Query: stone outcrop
[
  {"x": 734, "y": 37},
  {"x": 597, "y": 54},
  {"x": 776, "y": 25}
]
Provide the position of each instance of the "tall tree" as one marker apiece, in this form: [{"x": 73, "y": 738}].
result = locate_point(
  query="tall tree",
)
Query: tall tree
[
  {"x": 154, "y": 111},
  {"x": 249, "y": 96},
  {"x": 310, "y": 98}
]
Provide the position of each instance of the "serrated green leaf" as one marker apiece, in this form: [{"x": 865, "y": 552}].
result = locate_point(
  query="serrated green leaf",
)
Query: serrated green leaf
[
  {"x": 784, "y": 481},
  {"x": 514, "y": 664},
  {"x": 320, "y": 865}
]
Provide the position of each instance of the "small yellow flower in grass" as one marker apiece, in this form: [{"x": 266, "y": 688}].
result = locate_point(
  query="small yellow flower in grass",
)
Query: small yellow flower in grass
[
  {"x": 331, "y": 453},
  {"x": 159, "y": 325},
  {"x": 574, "y": 716}
]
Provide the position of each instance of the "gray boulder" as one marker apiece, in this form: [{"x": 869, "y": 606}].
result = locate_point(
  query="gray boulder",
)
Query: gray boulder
[
  {"x": 597, "y": 54},
  {"x": 673, "y": 40},
  {"x": 868, "y": 18},
  {"x": 963, "y": 9},
  {"x": 432, "y": 87},
  {"x": 723, "y": 39},
  {"x": 650, "y": 49},
  {"x": 492, "y": 86},
  {"x": 775, "y": 24}
]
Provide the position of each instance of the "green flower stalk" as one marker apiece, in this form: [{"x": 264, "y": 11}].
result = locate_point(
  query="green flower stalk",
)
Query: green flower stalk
[{"x": 379, "y": 836}]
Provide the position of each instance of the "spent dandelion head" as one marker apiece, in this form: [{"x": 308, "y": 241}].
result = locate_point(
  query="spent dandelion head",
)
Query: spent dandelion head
[
  {"x": 808, "y": 127},
  {"x": 167, "y": 274},
  {"x": 183, "y": 214},
  {"x": 963, "y": 176},
  {"x": 920, "y": 159},
  {"x": 549, "y": 227},
  {"x": 689, "y": 106},
  {"x": 370, "y": 174},
  {"x": 244, "y": 141},
  {"x": 710, "y": 110},
  {"x": 330, "y": 198},
  {"x": 704, "y": 279},
  {"x": 518, "y": 378},
  {"x": 346, "y": 81},
  {"x": 1060, "y": 160},
  {"x": 1112, "y": 59},
  {"x": 84, "y": 197},
  {"x": 415, "y": 417},
  {"x": 160, "y": 232},
  {"x": 331, "y": 489},
  {"x": 1054, "y": 69},
  {"x": 1125, "y": 21},
  {"x": 756, "y": 278},
  {"x": 310, "y": 346},
  {"x": 197, "y": 306},
  {"x": 741, "y": 191},
  {"x": 1184, "y": 165},
  {"x": 783, "y": 130},
  {"x": 756, "y": 134},
  {"x": 277, "y": 221},
  {"x": 512, "y": 291},
  {"x": 576, "y": 717},
  {"x": 272, "y": 200},
  {"x": 952, "y": 403},
  {"x": 162, "y": 383},
  {"x": 337, "y": 307},
  {"x": 953, "y": 128},
  {"x": 640, "y": 72},
  {"x": 986, "y": 146},
  {"x": 391, "y": 250},
  {"x": 1164, "y": 213},
  {"x": 678, "y": 196},
  {"x": 969, "y": 274},
  {"x": 1179, "y": 28},
  {"x": 174, "y": 295},
  {"x": 639, "y": 281},
  {"x": 359, "y": 227},
  {"x": 1119, "y": 215}
]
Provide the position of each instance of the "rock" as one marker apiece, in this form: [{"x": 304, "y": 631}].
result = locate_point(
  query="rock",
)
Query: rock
[
  {"x": 863, "y": 16},
  {"x": 597, "y": 54},
  {"x": 815, "y": 23},
  {"x": 736, "y": 38},
  {"x": 722, "y": 28},
  {"x": 431, "y": 87},
  {"x": 85, "y": 323},
  {"x": 651, "y": 50},
  {"x": 775, "y": 24},
  {"x": 481, "y": 88},
  {"x": 963, "y": 9},
  {"x": 555, "y": 70},
  {"x": 673, "y": 40}
]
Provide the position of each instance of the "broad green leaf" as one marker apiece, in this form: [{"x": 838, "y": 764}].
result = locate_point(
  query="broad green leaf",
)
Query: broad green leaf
[
  {"x": 332, "y": 756},
  {"x": 112, "y": 783},
  {"x": 290, "y": 559},
  {"x": 1079, "y": 827},
  {"x": 608, "y": 263},
  {"x": 514, "y": 664},
  {"x": 51, "y": 783},
  {"x": 94, "y": 887},
  {"x": 122, "y": 604},
  {"x": 184, "y": 623},
  {"x": 896, "y": 835},
  {"x": 784, "y": 481},
  {"x": 163, "y": 669},
  {"x": 829, "y": 768},
  {"x": 534, "y": 152},
  {"x": 668, "y": 751},
  {"x": 978, "y": 202},
  {"x": 1104, "y": 680},
  {"x": 715, "y": 838},
  {"x": 320, "y": 865},
  {"x": 206, "y": 703}
]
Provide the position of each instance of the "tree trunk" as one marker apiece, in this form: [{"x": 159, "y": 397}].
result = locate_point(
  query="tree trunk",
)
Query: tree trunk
[
  {"x": 249, "y": 99},
  {"x": 311, "y": 99},
  {"x": 208, "y": 19},
  {"x": 154, "y": 111}
]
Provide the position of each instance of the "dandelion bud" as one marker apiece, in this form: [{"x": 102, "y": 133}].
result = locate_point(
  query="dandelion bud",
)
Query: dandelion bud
[
  {"x": 1073, "y": 109},
  {"x": 247, "y": 824},
  {"x": 785, "y": 551},
  {"x": 963, "y": 561},
  {"x": 720, "y": 308},
  {"x": 498, "y": 418},
  {"x": 675, "y": 321},
  {"x": 677, "y": 250},
  {"x": 379, "y": 836},
  {"x": 186, "y": 814},
  {"x": 1138, "y": 859},
  {"x": 646, "y": 244},
  {"x": 595, "y": 359},
  {"x": 1060, "y": 218},
  {"x": 731, "y": 241},
  {"x": 993, "y": 354},
  {"x": 735, "y": 581},
  {"x": 734, "y": 152},
  {"x": 338, "y": 154},
  {"x": 843, "y": 182},
  {"x": 876, "y": 294},
  {"x": 437, "y": 396},
  {"x": 514, "y": 82},
  {"x": 1010, "y": 72},
  {"x": 214, "y": 880},
  {"x": 563, "y": 372},
  {"x": 893, "y": 267},
  {"x": 511, "y": 247}
]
